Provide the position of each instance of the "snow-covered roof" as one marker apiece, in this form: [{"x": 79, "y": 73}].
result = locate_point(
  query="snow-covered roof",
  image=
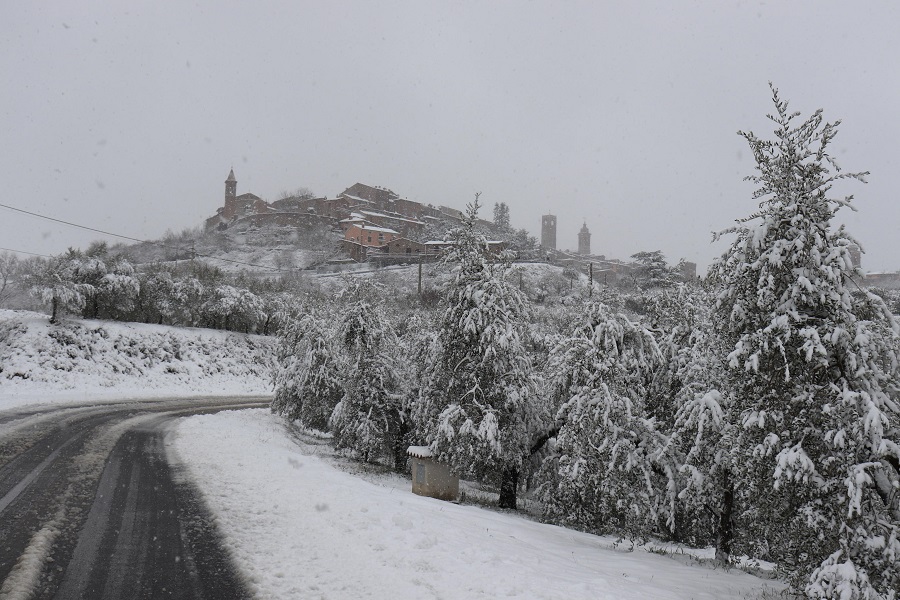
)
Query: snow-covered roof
[
  {"x": 378, "y": 229},
  {"x": 419, "y": 452},
  {"x": 356, "y": 198},
  {"x": 395, "y": 217}
]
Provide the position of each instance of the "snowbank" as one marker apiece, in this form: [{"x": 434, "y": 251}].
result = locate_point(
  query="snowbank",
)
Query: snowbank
[
  {"x": 80, "y": 360},
  {"x": 301, "y": 528}
]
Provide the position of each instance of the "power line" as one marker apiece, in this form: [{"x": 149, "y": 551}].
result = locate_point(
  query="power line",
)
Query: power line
[
  {"x": 23, "y": 252},
  {"x": 132, "y": 239}
]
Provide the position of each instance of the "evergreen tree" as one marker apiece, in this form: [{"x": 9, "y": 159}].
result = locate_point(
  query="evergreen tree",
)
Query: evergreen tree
[
  {"x": 608, "y": 474},
  {"x": 815, "y": 371},
  {"x": 369, "y": 420},
  {"x": 652, "y": 271},
  {"x": 501, "y": 216},
  {"x": 478, "y": 409},
  {"x": 691, "y": 403},
  {"x": 307, "y": 375}
]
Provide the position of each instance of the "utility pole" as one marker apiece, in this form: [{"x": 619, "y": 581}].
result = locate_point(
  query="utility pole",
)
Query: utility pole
[{"x": 591, "y": 279}]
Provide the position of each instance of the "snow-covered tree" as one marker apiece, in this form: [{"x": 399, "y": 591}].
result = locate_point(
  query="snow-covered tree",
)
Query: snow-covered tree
[
  {"x": 188, "y": 298},
  {"x": 608, "y": 473},
  {"x": 156, "y": 302},
  {"x": 478, "y": 409},
  {"x": 369, "y": 420},
  {"x": 652, "y": 271},
  {"x": 87, "y": 271},
  {"x": 9, "y": 268},
  {"x": 693, "y": 405},
  {"x": 234, "y": 308},
  {"x": 501, "y": 216},
  {"x": 307, "y": 376},
  {"x": 52, "y": 281},
  {"x": 815, "y": 373},
  {"x": 116, "y": 293}
]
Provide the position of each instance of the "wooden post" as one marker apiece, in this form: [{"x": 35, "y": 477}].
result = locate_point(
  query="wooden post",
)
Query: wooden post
[{"x": 421, "y": 258}]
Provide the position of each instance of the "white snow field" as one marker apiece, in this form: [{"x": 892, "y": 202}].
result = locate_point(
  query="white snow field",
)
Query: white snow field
[
  {"x": 300, "y": 527},
  {"x": 86, "y": 360}
]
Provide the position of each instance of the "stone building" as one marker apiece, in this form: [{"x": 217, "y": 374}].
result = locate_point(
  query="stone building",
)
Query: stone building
[
  {"x": 548, "y": 232},
  {"x": 236, "y": 206},
  {"x": 584, "y": 241}
]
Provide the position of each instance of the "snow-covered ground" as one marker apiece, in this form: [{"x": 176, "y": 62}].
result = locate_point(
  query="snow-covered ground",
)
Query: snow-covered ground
[
  {"x": 81, "y": 360},
  {"x": 300, "y": 527}
]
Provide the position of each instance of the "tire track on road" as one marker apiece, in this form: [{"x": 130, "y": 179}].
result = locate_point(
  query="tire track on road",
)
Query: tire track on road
[{"x": 62, "y": 494}]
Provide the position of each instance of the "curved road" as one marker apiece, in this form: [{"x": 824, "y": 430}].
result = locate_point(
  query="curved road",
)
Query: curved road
[{"x": 91, "y": 506}]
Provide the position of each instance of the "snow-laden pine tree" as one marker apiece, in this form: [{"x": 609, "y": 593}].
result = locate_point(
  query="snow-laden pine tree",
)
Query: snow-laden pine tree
[
  {"x": 652, "y": 271},
  {"x": 815, "y": 371},
  {"x": 307, "y": 375},
  {"x": 608, "y": 474},
  {"x": 369, "y": 419},
  {"x": 478, "y": 408}
]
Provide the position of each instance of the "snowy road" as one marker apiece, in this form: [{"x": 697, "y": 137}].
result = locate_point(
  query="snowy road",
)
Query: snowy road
[{"x": 90, "y": 506}]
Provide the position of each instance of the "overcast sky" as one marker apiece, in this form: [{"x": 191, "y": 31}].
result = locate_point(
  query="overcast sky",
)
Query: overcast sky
[{"x": 127, "y": 116}]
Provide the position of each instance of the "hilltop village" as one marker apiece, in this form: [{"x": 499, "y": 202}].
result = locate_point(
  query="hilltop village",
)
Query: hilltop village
[{"x": 374, "y": 224}]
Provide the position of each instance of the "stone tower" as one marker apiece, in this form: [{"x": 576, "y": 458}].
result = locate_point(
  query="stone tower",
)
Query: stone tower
[
  {"x": 584, "y": 241},
  {"x": 230, "y": 195},
  {"x": 548, "y": 232}
]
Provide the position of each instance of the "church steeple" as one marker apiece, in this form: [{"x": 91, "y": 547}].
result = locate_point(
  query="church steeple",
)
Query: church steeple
[
  {"x": 230, "y": 194},
  {"x": 230, "y": 187}
]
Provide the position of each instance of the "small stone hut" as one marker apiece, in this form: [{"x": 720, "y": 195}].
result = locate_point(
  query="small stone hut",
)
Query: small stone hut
[{"x": 431, "y": 478}]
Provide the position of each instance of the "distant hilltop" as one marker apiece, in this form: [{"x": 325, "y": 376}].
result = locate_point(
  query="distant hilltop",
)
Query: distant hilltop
[
  {"x": 376, "y": 224},
  {"x": 360, "y": 203}
]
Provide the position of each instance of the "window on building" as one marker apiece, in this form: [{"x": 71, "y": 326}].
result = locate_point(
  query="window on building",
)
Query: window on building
[{"x": 420, "y": 472}]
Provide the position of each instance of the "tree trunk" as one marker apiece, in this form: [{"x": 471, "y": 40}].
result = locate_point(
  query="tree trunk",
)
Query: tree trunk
[
  {"x": 725, "y": 531},
  {"x": 400, "y": 445},
  {"x": 509, "y": 485},
  {"x": 54, "y": 304}
]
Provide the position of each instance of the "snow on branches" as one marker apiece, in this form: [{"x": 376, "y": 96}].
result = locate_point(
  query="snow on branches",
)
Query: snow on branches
[
  {"x": 609, "y": 472},
  {"x": 815, "y": 369},
  {"x": 477, "y": 404}
]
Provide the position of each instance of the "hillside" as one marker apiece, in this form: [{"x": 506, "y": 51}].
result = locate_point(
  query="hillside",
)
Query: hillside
[
  {"x": 241, "y": 248},
  {"x": 87, "y": 360}
]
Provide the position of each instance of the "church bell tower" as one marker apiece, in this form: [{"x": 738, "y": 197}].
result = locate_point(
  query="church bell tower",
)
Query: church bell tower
[
  {"x": 230, "y": 194},
  {"x": 584, "y": 241}
]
